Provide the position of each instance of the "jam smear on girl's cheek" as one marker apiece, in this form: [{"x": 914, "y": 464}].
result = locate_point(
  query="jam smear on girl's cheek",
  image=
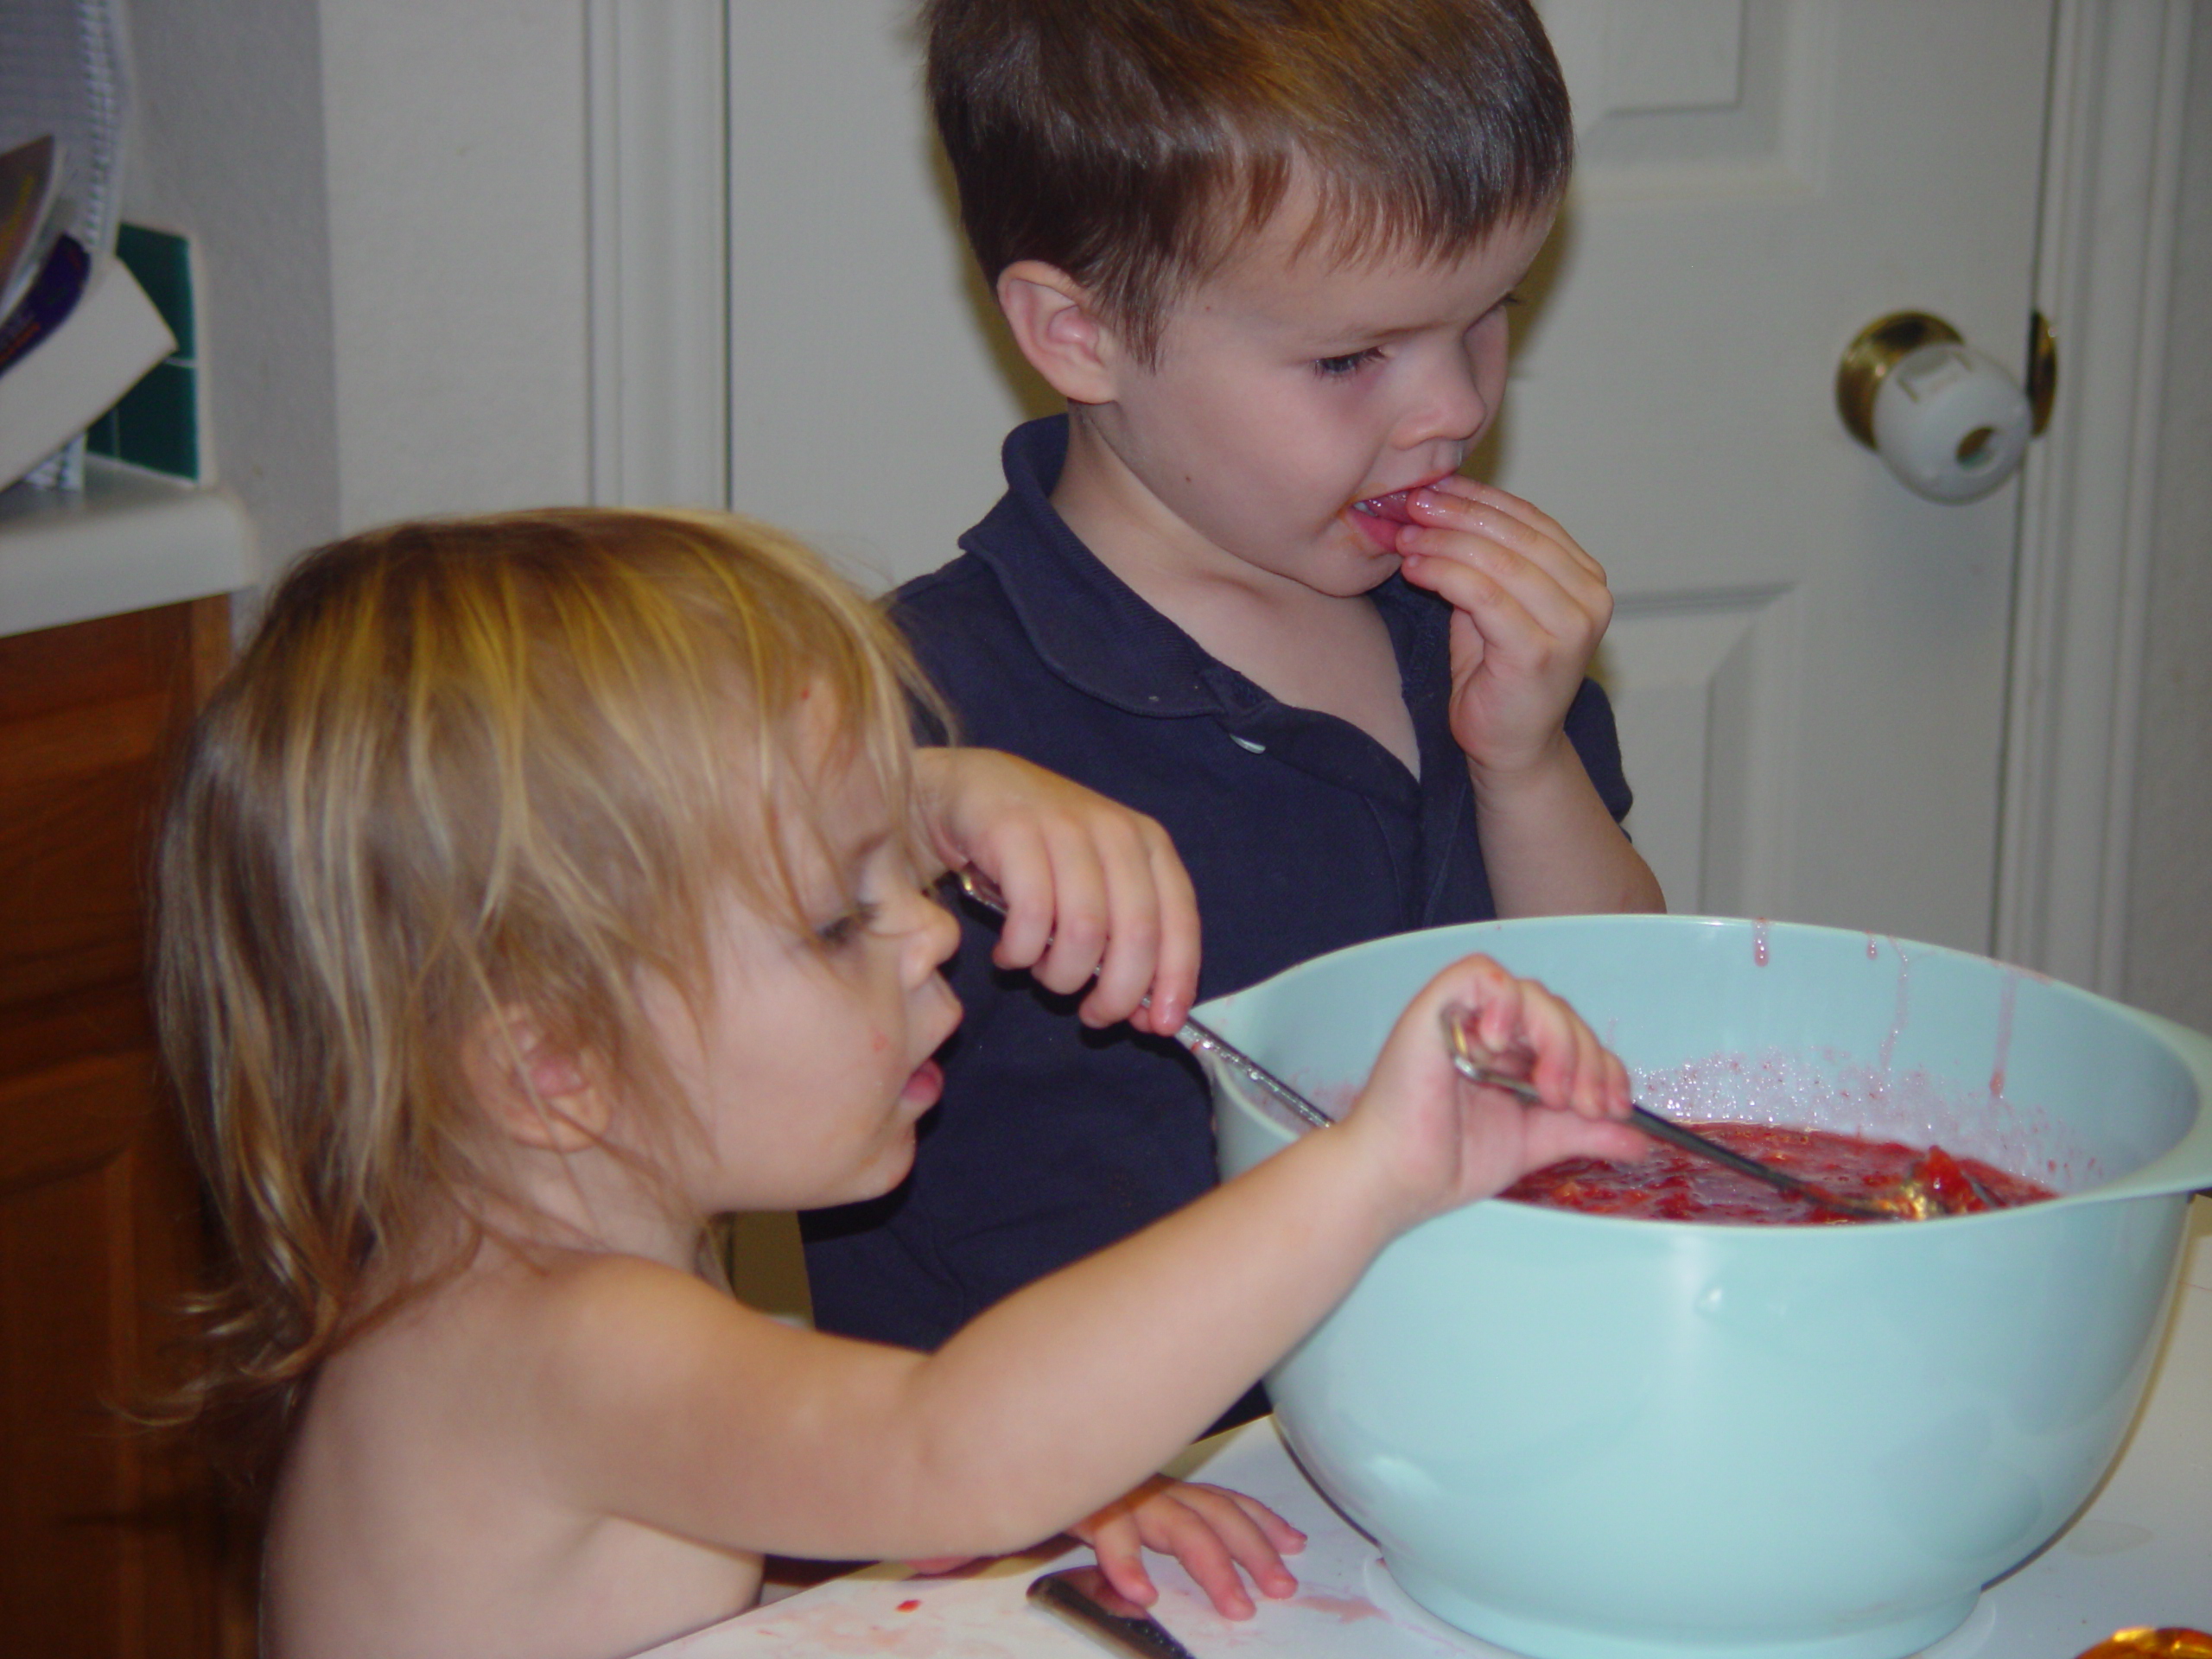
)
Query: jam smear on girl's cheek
[{"x": 1669, "y": 1183}]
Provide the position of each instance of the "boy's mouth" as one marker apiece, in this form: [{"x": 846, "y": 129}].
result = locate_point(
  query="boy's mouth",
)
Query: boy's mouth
[
  {"x": 1379, "y": 517},
  {"x": 1391, "y": 507}
]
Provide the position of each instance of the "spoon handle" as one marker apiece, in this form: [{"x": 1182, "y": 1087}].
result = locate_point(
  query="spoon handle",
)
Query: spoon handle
[
  {"x": 1082, "y": 1596},
  {"x": 1198, "y": 1039},
  {"x": 1201, "y": 1039}
]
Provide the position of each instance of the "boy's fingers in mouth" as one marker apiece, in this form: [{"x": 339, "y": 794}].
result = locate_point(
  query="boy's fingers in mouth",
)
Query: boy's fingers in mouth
[
  {"x": 1556, "y": 556},
  {"x": 1460, "y": 495}
]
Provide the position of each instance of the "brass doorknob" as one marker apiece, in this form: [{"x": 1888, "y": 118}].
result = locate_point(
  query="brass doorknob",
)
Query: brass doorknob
[{"x": 1947, "y": 419}]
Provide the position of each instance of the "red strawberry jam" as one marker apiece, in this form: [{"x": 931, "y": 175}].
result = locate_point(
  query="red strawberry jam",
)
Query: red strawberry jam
[{"x": 1669, "y": 1184}]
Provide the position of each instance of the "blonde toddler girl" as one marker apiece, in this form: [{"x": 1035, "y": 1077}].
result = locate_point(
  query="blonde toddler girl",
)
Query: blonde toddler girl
[{"x": 536, "y": 889}]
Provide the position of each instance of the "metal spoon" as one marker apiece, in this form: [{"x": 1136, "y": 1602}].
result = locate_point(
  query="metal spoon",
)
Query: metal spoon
[
  {"x": 1912, "y": 1201},
  {"x": 1472, "y": 1061},
  {"x": 1198, "y": 1039}
]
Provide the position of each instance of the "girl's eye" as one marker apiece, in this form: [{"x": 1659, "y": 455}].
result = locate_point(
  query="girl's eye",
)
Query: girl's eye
[
  {"x": 1335, "y": 368},
  {"x": 843, "y": 929}
]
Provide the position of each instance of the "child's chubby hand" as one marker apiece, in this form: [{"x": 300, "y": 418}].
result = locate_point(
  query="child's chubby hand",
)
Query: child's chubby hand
[
  {"x": 1091, "y": 886},
  {"x": 1530, "y": 608},
  {"x": 1209, "y": 1530},
  {"x": 1437, "y": 1142}
]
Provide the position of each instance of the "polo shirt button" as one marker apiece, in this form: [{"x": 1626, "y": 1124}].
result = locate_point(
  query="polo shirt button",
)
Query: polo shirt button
[{"x": 1247, "y": 743}]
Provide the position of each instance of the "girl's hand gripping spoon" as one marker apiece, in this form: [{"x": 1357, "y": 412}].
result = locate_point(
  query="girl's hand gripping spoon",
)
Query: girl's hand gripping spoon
[{"x": 1193, "y": 1036}]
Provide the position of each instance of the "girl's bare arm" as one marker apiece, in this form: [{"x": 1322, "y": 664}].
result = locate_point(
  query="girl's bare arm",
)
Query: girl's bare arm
[{"x": 672, "y": 1405}]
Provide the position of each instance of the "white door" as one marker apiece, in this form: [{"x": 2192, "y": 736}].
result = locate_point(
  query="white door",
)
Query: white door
[{"x": 1809, "y": 661}]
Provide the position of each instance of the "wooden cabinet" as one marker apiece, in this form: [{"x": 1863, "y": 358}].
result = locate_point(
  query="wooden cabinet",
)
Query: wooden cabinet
[{"x": 112, "y": 1544}]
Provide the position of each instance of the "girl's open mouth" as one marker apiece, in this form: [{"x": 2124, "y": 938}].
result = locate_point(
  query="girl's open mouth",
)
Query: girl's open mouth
[{"x": 923, "y": 1087}]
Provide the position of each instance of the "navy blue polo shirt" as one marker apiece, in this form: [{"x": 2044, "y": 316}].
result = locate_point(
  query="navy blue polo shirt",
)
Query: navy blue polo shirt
[{"x": 1301, "y": 834}]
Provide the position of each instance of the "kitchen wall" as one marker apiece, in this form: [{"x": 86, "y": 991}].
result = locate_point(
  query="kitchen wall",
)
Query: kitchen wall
[
  {"x": 387, "y": 201},
  {"x": 228, "y": 146},
  {"x": 455, "y": 135},
  {"x": 2170, "y": 888}
]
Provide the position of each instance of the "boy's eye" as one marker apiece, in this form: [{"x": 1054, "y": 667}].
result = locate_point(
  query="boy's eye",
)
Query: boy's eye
[
  {"x": 1332, "y": 368},
  {"x": 1505, "y": 302},
  {"x": 850, "y": 924}
]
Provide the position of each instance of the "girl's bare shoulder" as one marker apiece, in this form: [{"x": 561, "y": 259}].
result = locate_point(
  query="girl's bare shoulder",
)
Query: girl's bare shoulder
[
  {"x": 562, "y": 1315},
  {"x": 460, "y": 1448},
  {"x": 518, "y": 1328}
]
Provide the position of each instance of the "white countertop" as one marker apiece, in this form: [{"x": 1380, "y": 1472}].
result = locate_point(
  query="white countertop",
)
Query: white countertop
[
  {"x": 2141, "y": 1554},
  {"x": 130, "y": 542}
]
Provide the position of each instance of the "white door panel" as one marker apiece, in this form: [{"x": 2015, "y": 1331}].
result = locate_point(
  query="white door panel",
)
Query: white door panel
[{"x": 1700, "y": 684}]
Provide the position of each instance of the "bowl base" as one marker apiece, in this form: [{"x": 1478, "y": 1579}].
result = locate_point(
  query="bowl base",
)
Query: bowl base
[{"x": 1898, "y": 1638}]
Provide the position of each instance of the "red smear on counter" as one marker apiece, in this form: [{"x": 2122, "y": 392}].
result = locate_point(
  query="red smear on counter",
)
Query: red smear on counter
[
  {"x": 908, "y": 1606},
  {"x": 1347, "y": 1609},
  {"x": 1669, "y": 1183}
]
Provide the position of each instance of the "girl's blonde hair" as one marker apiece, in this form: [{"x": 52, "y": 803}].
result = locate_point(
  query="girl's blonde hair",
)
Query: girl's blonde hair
[{"x": 461, "y": 766}]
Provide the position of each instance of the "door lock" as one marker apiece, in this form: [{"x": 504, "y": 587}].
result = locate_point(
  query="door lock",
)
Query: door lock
[{"x": 1947, "y": 419}]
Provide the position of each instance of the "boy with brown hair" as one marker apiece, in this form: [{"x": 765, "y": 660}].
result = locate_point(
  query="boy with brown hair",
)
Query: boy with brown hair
[{"x": 1265, "y": 249}]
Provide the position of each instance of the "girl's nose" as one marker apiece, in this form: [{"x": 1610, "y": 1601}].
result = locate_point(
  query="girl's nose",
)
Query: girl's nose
[{"x": 934, "y": 936}]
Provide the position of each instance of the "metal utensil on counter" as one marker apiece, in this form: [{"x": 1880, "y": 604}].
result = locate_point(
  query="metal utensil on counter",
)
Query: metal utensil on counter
[
  {"x": 1200, "y": 1039},
  {"x": 1081, "y": 1596},
  {"x": 1472, "y": 1062}
]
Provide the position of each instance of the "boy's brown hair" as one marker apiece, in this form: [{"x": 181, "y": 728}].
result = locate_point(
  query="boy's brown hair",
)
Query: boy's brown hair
[{"x": 1132, "y": 144}]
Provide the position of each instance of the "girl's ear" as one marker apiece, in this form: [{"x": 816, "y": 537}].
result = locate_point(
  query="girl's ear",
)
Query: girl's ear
[
  {"x": 538, "y": 1090},
  {"x": 1059, "y": 330}
]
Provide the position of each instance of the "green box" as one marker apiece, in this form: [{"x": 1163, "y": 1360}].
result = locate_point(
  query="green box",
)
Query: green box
[{"x": 156, "y": 423}]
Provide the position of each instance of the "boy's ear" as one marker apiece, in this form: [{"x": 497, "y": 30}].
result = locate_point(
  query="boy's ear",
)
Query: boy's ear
[
  {"x": 538, "y": 1089},
  {"x": 1058, "y": 331}
]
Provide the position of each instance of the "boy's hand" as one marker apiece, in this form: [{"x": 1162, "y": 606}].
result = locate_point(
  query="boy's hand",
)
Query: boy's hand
[
  {"x": 1091, "y": 886},
  {"x": 1209, "y": 1530},
  {"x": 1530, "y": 608},
  {"x": 1443, "y": 1142}
]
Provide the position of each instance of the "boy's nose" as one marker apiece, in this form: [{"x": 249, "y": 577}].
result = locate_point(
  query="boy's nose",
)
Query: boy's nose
[{"x": 1449, "y": 406}]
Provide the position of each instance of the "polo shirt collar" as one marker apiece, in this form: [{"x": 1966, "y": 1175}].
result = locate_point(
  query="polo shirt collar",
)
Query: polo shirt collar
[{"x": 1091, "y": 627}]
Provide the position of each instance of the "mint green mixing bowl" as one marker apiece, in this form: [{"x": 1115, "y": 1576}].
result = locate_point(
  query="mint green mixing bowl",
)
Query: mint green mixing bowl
[{"x": 1586, "y": 1437}]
